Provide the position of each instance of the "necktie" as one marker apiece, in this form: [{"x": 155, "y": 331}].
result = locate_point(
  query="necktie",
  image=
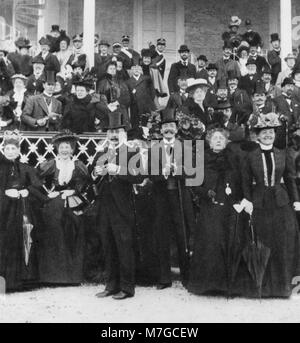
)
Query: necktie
[{"x": 48, "y": 100}]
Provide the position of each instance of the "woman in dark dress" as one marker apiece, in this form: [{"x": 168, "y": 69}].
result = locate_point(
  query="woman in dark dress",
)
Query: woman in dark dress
[
  {"x": 62, "y": 236},
  {"x": 18, "y": 263},
  {"x": 216, "y": 220},
  {"x": 269, "y": 185}
]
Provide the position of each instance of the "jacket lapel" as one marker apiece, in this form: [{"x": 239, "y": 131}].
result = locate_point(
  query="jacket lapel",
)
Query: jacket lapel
[{"x": 42, "y": 103}]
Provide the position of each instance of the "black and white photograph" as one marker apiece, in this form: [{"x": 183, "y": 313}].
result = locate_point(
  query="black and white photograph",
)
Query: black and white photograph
[{"x": 149, "y": 164}]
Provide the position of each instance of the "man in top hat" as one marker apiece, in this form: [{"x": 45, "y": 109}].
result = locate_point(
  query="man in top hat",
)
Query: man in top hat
[
  {"x": 183, "y": 68},
  {"x": 201, "y": 70},
  {"x": 43, "y": 112},
  {"x": 158, "y": 58},
  {"x": 239, "y": 99},
  {"x": 78, "y": 55},
  {"x": 250, "y": 36},
  {"x": 290, "y": 61},
  {"x": 260, "y": 61},
  {"x": 133, "y": 57},
  {"x": 142, "y": 95},
  {"x": 248, "y": 81},
  {"x": 226, "y": 64},
  {"x": 21, "y": 59},
  {"x": 102, "y": 59},
  {"x": 6, "y": 72},
  {"x": 274, "y": 58},
  {"x": 37, "y": 79},
  {"x": 114, "y": 180},
  {"x": 272, "y": 90},
  {"x": 51, "y": 61},
  {"x": 172, "y": 199},
  {"x": 288, "y": 106}
]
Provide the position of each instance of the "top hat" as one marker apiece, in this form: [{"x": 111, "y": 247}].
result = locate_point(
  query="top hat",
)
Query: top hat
[
  {"x": 266, "y": 70},
  {"x": 168, "y": 115},
  {"x": 287, "y": 81},
  {"x": 161, "y": 41},
  {"x": 183, "y": 48},
  {"x": 235, "y": 21},
  {"x": 44, "y": 41},
  {"x": 77, "y": 38},
  {"x": 146, "y": 53},
  {"x": 65, "y": 136},
  {"x": 50, "y": 77},
  {"x": 202, "y": 58},
  {"x": 38, "y": 60},
  {"x": 231, "y": 75},
  {"x": 55, "y": 28},
  {"x": 104, "y": 42},
  {"x": 212, "y": 66},
  {"x": 222, "y": 83},
  {"x": 227, "y": 45},
  {"x": 274, "y": 37},
  {"x": 23, "y": 43},
  {"x": 259, "y": 88},
  {"x": 115, "y": 121}
]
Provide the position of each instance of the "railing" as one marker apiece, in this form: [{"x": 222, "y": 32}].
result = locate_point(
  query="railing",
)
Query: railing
[{"x": 36, "y": 147}]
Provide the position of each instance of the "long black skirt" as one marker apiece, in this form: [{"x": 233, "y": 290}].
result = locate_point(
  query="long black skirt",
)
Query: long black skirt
[
  {"x": 209, "y": 267},
  {"x": 61, "y": 245},
  {"x": 18, "y": 272}
]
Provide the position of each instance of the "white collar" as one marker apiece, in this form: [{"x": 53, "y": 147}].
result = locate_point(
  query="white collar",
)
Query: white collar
[
  {"x": 136, "y": 77},
  {"x": 48, "y": 95},
  {"x": 171, "y": 142},
  {"x": 266, "y": 147}
]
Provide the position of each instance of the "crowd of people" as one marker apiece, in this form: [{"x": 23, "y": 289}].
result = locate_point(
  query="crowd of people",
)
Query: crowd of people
[{"x": 235, "y": 234}]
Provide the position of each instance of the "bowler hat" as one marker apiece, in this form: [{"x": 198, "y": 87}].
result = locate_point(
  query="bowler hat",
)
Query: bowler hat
[
  {"x": 38, "y": 60},
  {"x": 183, "y": 48},
  {"x": 202, "y": 58},
  {"x": 251, "y": 61},
  {"x": 287, "y": 81},
  {"x": 224, "y": 105},
  {"x": 104, "y": 42},
  {"x": 65, "y": 136},
  {"x": 290, "y": 56},
  {"x": 55, "y": 28},
  {"x": 212, "y": 66},
  {"x": 266, "y": 70}
]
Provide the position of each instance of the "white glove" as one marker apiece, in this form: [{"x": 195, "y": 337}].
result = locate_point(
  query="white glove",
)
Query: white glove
[
  {"x": 297, "y": 206},
  {"x": 248, "y": 206},
  {"x": 12, "y": 193},
  {"x": 3, "y": 123},
  {"x": 24, "y": 193},
  {"x": 67, "y": 193},
  {"x": 113, "y": 168},
  {"x": 53, "y": 195}
]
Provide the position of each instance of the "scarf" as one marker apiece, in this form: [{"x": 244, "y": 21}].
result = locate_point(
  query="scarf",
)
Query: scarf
[{"x": 66, "y": 169}]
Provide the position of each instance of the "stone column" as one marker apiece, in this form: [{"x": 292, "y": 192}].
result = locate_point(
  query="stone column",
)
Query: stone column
[
  {"x": 89, "y": 14},
  {"x": 286, "y": 28}
]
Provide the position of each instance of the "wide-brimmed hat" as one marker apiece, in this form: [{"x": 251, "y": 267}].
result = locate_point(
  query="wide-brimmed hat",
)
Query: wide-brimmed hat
[
  {"x": 290, "y": 56},
  {"x": 20, "y": 77},
  {"x": 65, "y": 136},
  {"x": 12, "y": 138},
  {"x": 22, "y": 42},
  {"x": 265, "y": 121},
  {"x": 44, "y": 41},
  {"x": 183, "y": 48},
  {"x": 195, "y": 83},
  {"x": 235, "y": 21},
  {"x": 116, "y": 121},
  {"x": 86, "y": 81}
]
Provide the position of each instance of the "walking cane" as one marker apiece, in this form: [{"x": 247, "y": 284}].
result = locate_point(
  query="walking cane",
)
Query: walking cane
[{"x": 182, "y": 218}]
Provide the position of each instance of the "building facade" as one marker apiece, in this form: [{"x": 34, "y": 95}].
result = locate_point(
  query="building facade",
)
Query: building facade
[{"x": 198, "y": 23}]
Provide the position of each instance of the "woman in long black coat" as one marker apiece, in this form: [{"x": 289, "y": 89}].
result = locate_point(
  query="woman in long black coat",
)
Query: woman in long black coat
[
  {"x": 216, "y": 220},
  {"x": 18, "y": 227},
  {"x": 269, "y": 185},
  {"x": 62, "y": 236}
]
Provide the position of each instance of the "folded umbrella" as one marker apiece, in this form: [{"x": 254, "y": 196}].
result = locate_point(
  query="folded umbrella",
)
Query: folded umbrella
[{"x": 257, "y": 257}]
